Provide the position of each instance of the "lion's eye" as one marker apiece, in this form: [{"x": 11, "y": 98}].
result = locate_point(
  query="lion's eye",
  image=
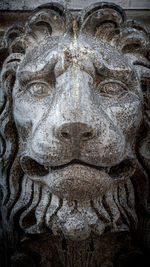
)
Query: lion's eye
[
  {"x": 40, "y": 89},
  {"x": 112, "y": 88}
]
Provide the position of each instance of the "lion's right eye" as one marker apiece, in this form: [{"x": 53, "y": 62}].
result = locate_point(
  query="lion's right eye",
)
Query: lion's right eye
[
  {"x": 112, "y": 88},
  {"x": 39, "y": 89}
]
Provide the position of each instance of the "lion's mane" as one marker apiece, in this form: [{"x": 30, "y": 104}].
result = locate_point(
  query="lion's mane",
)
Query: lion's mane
[{"x": 20, "y": 197}]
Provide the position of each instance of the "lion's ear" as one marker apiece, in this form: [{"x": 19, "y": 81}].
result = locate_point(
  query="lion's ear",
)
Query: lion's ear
[
  {"x": 11, "y": 42},
  {"x": 133, "y": 38},
  {"x": 8, "y": 74},
  {"x": 47, "y": 20},
  {"x": 101, "y": 19},
  {"x": 11, "y": 53}
]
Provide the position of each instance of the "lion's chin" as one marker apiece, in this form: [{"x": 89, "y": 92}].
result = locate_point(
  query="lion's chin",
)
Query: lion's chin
[
  {"x": 77, "y": 219},
  {"x": 75, "y": 223}
]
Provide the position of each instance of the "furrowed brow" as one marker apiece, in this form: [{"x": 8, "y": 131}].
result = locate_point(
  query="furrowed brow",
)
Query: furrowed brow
[
  {"x": 123, "y": 73},
  {"x": 36, "y": 67},
  {"x": 30, "y": 73}
]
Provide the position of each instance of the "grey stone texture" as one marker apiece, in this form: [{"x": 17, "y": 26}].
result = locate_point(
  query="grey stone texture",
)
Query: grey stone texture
[
  {"x": 75, "y": 120},
  {"x": 71, "y": 4}
]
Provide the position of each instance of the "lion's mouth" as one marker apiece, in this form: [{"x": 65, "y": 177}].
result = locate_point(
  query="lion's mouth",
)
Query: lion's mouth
[{"x": 34, "y": 169}]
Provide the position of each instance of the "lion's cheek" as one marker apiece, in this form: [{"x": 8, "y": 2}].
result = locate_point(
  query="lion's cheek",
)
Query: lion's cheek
[
  {"x": 27, "y": 115},
  {"x": 50, "y": 152},
  {"x": 128, "y": 116},
  {"x": 23, "y": 123},
  {"x": 108, "y": 149}
]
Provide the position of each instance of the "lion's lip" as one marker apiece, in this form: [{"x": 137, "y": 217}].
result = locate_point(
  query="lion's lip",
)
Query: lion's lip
[
  {"x": 31, "y": 167},
  {"x": 77, "y": 162},
  {"x": 34, "y": 169}
]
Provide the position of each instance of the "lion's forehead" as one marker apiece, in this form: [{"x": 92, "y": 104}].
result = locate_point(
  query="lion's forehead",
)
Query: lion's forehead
[{"x": 74, "y": 51}]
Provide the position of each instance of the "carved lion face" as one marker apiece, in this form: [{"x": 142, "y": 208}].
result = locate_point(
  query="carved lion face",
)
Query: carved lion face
[{"x": 78, "y": 106}]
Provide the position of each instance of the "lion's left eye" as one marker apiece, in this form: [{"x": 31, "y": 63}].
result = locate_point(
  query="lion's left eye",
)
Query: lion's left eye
[
  {"x": 39, "y": 89},
  {"x": 111, "y": 88}
]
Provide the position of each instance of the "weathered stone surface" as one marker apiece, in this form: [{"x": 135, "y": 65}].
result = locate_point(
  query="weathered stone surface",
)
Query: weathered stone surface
[
  {"x": 75, "y": 139},
  {"x": 72, "y": 4}
]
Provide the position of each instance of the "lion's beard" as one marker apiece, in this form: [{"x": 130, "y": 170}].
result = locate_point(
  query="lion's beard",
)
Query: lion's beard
[{"x": 37, "y": 208}]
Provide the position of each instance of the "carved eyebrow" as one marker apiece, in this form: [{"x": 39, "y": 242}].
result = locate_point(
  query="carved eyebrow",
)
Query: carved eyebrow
[
  {"x": 38, "y": 67},
  {"x": 124, "y": 74},
  {"x": 107, "y": 66},
  {"x": 29, "y": 74}
]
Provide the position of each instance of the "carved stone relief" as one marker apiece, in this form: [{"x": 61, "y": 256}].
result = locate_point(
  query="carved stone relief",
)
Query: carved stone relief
[{"x": 75, "y": 119}]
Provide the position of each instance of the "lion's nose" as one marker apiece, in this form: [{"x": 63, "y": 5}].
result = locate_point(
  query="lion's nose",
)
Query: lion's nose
[{"x": 75, "y": 132}]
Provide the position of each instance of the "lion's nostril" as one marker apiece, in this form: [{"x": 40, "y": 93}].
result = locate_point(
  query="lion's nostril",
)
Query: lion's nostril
[
  {"x": 75, "y": 132},
  {"x": 65, "y": 135},
  {"x": 87, "y": 135}
]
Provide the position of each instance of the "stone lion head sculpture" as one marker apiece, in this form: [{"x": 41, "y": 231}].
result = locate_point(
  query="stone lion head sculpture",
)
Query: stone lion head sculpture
[{"x": 74, "y": 122}]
